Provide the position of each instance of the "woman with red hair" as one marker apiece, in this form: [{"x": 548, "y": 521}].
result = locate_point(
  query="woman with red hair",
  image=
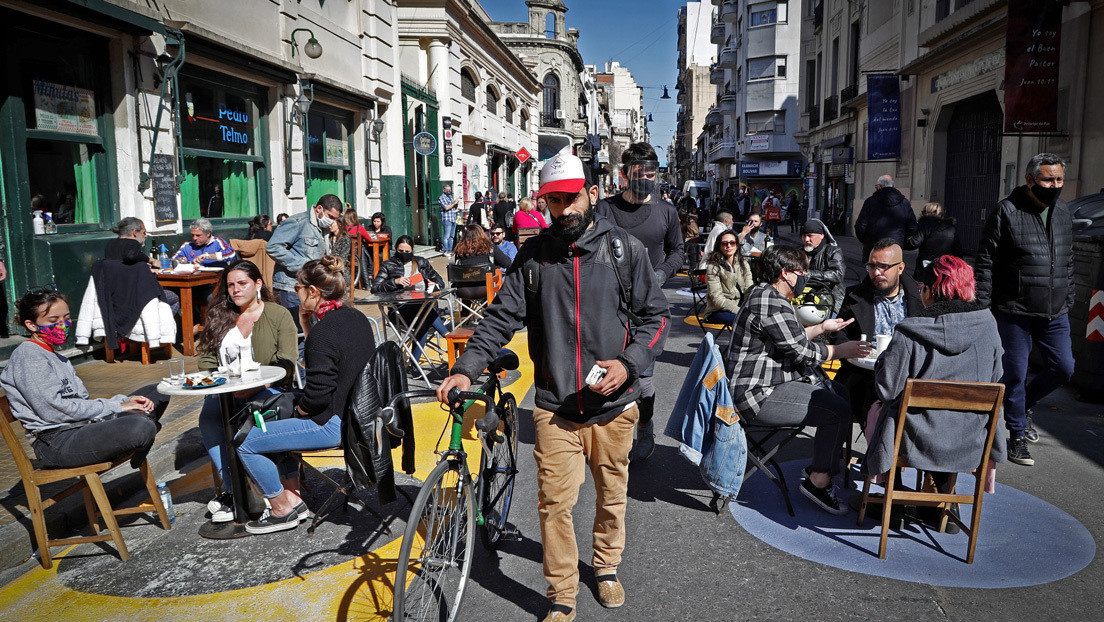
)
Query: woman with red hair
[{"x": 953, "y": 338}]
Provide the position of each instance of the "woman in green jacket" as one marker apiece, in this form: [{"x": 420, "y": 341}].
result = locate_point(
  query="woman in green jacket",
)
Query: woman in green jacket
[
  {"x": 243, "y": 312},
  {"x": 727, "y": 277}
]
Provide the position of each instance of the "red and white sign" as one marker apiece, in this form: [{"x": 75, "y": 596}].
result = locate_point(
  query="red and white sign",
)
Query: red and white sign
[
  {"x": 448, "y": 134},
  {"x": 522, "y": 155},
  {"x": 1094, "y": 329}
]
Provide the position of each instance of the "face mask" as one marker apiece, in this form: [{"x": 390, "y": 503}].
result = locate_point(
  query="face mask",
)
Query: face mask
[
  {"x": 1047, "y": 195},
  {"x": 55, "y": 334},
  {"x": 404, "y": 257},
  {"x": 799, "y": 285},
  {"x": 642, "y": 187},
  {"x": 325, "y": 221}
]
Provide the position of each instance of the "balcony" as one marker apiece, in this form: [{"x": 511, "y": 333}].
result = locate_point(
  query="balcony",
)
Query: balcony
[
  {"x": 716, "y": 74},
  {"x": 721, "y": 152},
  {"x": 849, "y": 92},
  {"x": 814, "y": 115},
  {"x": 729, "y": 11},
  {"x": 714, "y": 117},
  {"x": 550, "y": 120},
  {"x": 728, "y": 101},
  {"x": 831, "y": 108},
  {"x": 717, "y": 33},
  {"x": 729, "y": 57}
]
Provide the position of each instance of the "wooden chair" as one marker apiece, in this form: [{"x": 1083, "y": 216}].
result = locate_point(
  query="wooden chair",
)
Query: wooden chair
[
  {"x": 144, "y": 347},
  {"x": 919, "y": 395},
  {"x": 355, "y": 264},
  {"x": 88, "y": 482},
  {"x": 524, "y": 233}
]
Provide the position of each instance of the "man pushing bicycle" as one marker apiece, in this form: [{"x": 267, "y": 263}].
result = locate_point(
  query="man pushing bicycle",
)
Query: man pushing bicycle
[{"x": 577, "y": 287}]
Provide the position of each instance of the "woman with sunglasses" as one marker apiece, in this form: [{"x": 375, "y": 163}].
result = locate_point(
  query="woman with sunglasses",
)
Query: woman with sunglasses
[
  {"x": 70, "y": 428},
  {"x": 727, "y": 277}
]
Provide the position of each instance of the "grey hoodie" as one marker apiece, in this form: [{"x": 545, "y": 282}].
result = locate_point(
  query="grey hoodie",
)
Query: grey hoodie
[
  {"x": 951, "y": 340},
  {"x": 45, "y": 392}
]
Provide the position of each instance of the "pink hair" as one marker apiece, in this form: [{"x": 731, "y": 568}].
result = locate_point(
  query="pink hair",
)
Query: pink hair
[{"x": 952, "y": 279}]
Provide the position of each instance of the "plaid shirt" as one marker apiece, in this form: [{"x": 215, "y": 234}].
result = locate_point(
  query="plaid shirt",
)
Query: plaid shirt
[
  {"x": 447, "y": 215},
  {"x": 769, "y": 347}
]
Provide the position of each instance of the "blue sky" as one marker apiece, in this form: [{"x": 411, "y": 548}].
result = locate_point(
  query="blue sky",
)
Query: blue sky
[{"x": 641, "y": 34}]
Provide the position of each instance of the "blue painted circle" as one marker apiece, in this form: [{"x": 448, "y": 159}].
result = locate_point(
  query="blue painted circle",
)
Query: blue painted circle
[
  {"x": 1022, "y": 541},
  {"x": 425, "y": 143}
]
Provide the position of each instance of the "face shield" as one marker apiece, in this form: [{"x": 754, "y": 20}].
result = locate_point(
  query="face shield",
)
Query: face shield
[{"x": 642, "y": 177}]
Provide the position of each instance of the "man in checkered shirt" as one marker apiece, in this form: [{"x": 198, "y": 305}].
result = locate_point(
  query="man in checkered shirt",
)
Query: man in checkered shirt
[{"x": 775, "y": 366}]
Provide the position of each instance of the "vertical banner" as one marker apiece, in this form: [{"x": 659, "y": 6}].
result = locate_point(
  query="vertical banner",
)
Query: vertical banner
[
  {"x": 883, "y": 103},
  {"x": 1031, "y": 66}
]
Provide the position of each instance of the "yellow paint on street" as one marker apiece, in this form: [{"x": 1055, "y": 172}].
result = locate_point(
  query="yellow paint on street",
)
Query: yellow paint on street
[{"x": 359, "y": 589}]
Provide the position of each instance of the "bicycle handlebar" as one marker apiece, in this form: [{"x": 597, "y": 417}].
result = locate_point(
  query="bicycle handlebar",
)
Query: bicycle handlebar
[{"x": 485, "y": 424}]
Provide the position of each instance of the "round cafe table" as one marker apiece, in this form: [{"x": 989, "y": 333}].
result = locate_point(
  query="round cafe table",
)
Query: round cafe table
[{"x": 266, "y": 375}]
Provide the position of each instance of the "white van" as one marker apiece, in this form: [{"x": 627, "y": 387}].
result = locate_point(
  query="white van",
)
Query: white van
[{"x": 696, "y": 189}]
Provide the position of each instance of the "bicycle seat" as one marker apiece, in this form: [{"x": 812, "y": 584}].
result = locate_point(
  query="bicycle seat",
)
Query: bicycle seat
[{"x": 506, "y": 361}]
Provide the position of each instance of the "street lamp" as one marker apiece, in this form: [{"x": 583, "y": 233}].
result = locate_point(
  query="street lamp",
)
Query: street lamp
[
  {"x": 665, "y": 95},
  {"x": 313, "y": 49}
]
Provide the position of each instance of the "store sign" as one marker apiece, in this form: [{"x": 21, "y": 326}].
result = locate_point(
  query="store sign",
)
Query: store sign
[
  {"x": 523, "y": 155},
  {"x": 1031, "y": 57},
  {"x": 216, "y": 119},
  {"x": 843, "y": 155},
  {"x": 759, "y": 143},
  {"x": 446, "y": 144},
  {"x": 337, "y": 152},
  {"x": 424, "y": 143},
  {"x": 63, "y": 108},
  {"x": 775, "y": 168},
  {"x": 883, "y": 100}
]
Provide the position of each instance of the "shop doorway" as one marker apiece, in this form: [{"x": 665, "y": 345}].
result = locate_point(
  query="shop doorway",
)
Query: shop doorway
[{"x": 973, "y": 165}]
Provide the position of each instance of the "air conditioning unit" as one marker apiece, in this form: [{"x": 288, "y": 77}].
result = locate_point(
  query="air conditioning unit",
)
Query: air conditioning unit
[{"x": 560, "y": 114}]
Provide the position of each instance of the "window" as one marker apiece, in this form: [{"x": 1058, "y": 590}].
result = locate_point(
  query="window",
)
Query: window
[
  {"x": 780, "y": 67},
  {"x": 549, "y": 26},
  {"x": 223, "y": 161},
  {"x": 492, "y": 100},
  {"x": 765, "y": 67},
  {"x": 329, "y": 169},
  {"x": 510, "y": 111},
  {"x": 766, "y": 122},
  {"x": 763, "y": 14},
  {"x": 523, "y": 121},
  {"x": 551, "y": 99},
  {"x": 467, "y": 85}
]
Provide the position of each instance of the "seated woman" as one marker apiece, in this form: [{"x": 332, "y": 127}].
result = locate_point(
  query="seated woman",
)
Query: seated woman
[
  {"x": 527, "y": 217},
  {"x": 336, "y": 350},
  {"x": 953, "y": 338},
  {"x": 775, "y": 366},
  {"x": 71, "y": 429},
  {"x": 378, "y": 226},
  {"x": 406, "y": 272},
  {"x": 260, "y": 228},
  {"x": 474, "y": 249},
  {"x": 244, "y": 312},
  {"x": 727, "y": 276},
  {"x": 341, "y": 240}
]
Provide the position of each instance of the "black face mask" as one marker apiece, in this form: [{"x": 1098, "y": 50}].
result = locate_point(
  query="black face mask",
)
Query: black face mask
[
  {"x": 404, "y": 257},
  {"x": 642, "y": 187},
  {"x": 1046, "y": 195}
]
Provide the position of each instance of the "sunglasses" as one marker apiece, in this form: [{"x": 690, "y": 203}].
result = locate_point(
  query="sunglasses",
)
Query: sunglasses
[
  {"x": 882, "y": 266},
  {"x": 49, "y": 287},
  {"x": 727, "y": 243}
]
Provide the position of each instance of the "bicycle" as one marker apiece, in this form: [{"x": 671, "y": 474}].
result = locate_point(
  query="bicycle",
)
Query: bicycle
[{"x": 435, "y": 557}]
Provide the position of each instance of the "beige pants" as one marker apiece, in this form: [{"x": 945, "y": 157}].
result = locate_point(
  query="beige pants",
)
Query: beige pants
[{"x": 562, "y": 450}]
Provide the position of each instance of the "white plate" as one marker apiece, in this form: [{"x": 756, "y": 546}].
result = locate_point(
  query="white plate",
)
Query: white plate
[{"x": 210, "y": 269}]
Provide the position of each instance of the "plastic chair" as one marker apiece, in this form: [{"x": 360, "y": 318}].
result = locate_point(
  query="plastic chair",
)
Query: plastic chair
[
  {"x": 962, "y": 397},
  {"x": 88, "y": 483}
]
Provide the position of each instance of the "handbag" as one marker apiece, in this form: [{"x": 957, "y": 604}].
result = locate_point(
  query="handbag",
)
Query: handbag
[{"x": 259, "y": 411}]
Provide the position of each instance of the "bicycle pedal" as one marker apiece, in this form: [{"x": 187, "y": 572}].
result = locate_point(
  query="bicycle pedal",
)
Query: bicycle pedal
[{"x": 512, "y": 535}]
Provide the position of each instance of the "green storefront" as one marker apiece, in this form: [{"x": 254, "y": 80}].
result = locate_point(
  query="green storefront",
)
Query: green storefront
[{"x": 420, "y": 213}]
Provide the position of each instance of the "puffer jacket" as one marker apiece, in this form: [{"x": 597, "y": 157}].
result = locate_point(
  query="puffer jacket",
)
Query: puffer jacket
[
  {"x": 1025, "y": 266},
  {"x": 885, "y": 214},
  {"x": 575, "y": 318},
  {"x": 826, "y": 269},
  {"x": 393, "y": 269},
  {"x": 934, "y": 238}
]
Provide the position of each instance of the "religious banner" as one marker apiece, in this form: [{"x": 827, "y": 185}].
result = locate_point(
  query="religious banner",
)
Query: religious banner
[
  {"x": 1031, "y": 66},
  {"x": 883, "y": 100}
]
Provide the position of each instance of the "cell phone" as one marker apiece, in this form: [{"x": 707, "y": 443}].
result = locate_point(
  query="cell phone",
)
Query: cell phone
[{"x": 596, "y": 374}]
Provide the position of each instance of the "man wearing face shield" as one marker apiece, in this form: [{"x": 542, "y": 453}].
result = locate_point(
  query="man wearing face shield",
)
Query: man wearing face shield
[
  {"x": 299, "y": 239},
  {"x": 1025, "y": 275},
  {"x": 642, "y": 212}
]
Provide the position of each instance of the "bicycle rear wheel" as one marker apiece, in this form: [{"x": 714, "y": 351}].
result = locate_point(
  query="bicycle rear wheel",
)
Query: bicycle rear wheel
[
  {"x": 436, "y": 553},
  {"x": 496, "y": 475}
]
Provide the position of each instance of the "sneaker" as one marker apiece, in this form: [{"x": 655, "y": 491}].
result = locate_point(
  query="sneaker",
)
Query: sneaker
[
  {"x": 1031, "y": 434},
  {"x": 269, "y": 522},
  {"x": 825, "y": 498},
  {"x": 221, "y": 508},
  {"x": 303, "y": 511},
  {"x": 644, "y": 444},
  {"x": 611, "y": 594},
  {"x": 1018, "y": 453},
  {"x": 560, "y": 613}
]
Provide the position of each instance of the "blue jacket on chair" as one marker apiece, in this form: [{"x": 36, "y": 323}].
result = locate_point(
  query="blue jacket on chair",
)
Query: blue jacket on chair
[{"x": 704, "y": 393}]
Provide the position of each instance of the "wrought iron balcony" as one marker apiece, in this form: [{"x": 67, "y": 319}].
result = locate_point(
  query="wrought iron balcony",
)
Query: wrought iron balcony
[
  {"x": 849, "y": 92},
  {"x": 831, "y": 108},
  {"x": 550, "y": 120}
]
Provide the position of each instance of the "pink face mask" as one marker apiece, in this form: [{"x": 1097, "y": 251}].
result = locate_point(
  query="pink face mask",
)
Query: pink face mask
[{"x": 55, "y": 334}]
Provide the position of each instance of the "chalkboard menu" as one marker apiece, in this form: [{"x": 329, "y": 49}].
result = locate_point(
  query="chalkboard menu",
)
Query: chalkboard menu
[{"x": 164, "y": 189}]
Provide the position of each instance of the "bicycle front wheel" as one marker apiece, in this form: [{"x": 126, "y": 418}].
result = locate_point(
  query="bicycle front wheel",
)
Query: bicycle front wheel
[
  {"x": 436, "y": 553},
  {"x": 496, "y": 475}
]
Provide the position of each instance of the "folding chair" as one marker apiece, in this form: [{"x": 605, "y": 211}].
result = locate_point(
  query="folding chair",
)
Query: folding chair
[
  {"x": 88, "y": 483},
  {"x": 485, "y": 277},
  {"x": 763, "y": 443},
  {"x": 963, "y": 397}
]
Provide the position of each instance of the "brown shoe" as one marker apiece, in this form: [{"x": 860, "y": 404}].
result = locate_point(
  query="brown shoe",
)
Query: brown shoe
[
  {"x": 560, "y": 613},
  {"x": 611, "y": 594}
]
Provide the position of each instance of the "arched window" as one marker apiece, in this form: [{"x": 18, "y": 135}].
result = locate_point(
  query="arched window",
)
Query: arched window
[
  {"x": 523, "y": 121},
  {"x": 550, "y": 26},
  {"x": 467, "y": 85},
  {"x": 510, "y": 110},
  {"x": 551, "y": 99},
  {"x": 492, "y": 100}
]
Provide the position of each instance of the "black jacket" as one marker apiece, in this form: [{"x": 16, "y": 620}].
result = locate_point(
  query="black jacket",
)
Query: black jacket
[
  {"x": 393, "y": 269},
  {"x": 122, "y": 291},
  {"x": 885, "y": 214},
  {"x": 934, "y": 238},
  {"x": 827, "y": 270},
  {"x": 574, "y": 319},
  {"x": 367, "y": 444},
  {"x": 335, "y": 351},
  {"x": 858, "y": 303},
  {"x": 1025, "y": 266},
  {"x": 655, "y": 224},
  {"x": 126, "y": 250}
]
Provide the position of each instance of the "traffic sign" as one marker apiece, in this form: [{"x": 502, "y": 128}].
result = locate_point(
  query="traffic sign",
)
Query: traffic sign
[
  {"x": 522, "y": 155},
  {"x": 424, "y": 143}
]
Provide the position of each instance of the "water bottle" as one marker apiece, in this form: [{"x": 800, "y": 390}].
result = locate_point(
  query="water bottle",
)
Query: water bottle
[
  {"x": 166, "y": 500},
  {"x": 163, "y": 257},
  {"x": 39, "y": 224},
  {"x": 48, "y": 225}
]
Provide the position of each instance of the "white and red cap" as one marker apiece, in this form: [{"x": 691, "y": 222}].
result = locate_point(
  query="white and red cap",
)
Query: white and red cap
[{"x": 562, "y": 173}]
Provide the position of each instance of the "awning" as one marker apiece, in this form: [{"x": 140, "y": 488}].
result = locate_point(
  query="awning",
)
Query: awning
[{"x": 135, "y": 21}]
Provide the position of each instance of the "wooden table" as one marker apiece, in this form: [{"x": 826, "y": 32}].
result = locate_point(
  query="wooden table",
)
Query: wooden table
[
  {"x": 266, "y": 375},
  {"x": 379, "y": 246},
  {"x": 185, "y": 283}
]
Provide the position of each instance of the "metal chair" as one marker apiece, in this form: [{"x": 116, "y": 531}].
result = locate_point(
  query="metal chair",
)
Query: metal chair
[
  {"x": 484, "y": 277},
  {"x": 972, "y": 398}
]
